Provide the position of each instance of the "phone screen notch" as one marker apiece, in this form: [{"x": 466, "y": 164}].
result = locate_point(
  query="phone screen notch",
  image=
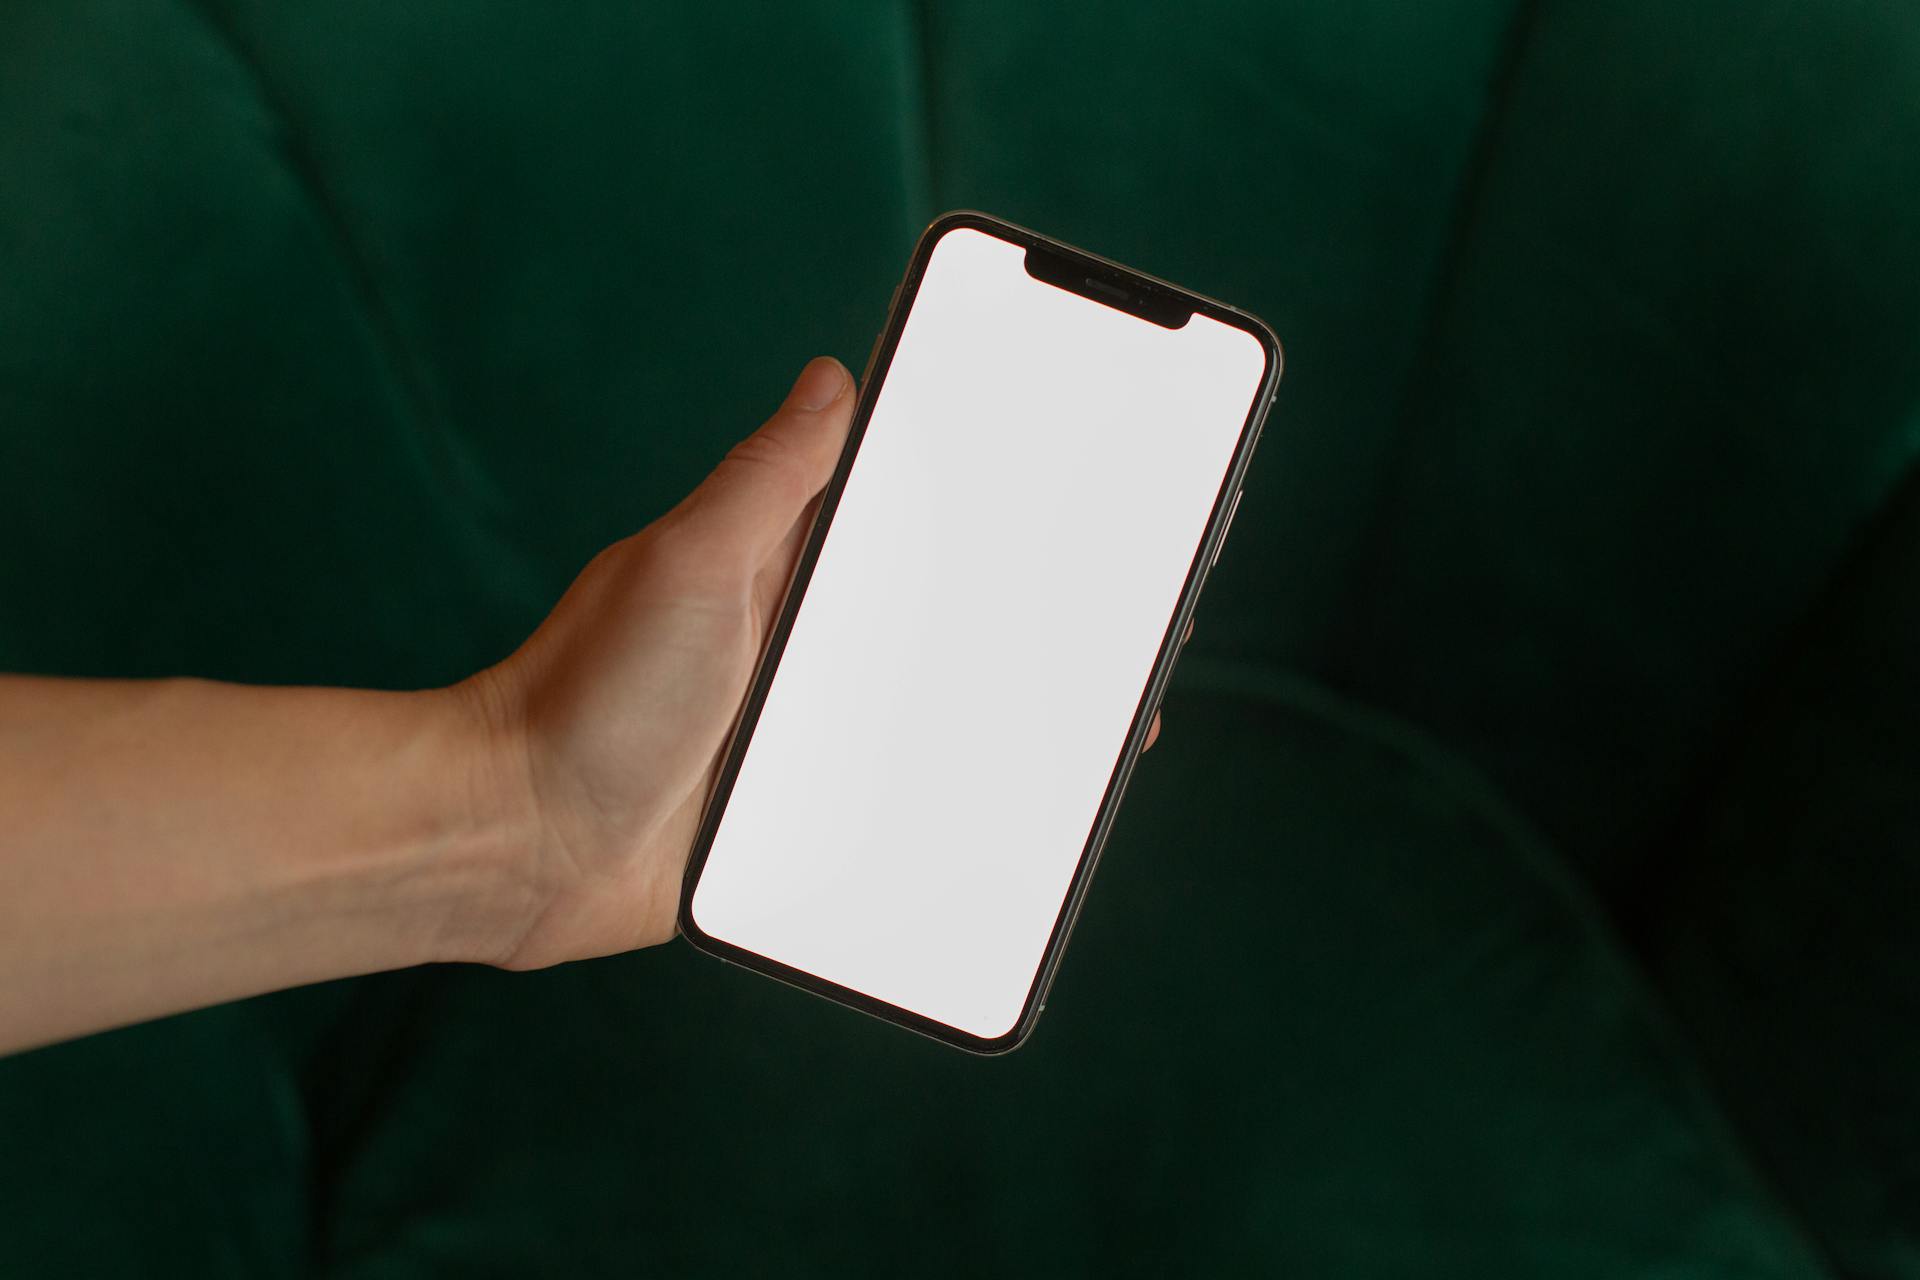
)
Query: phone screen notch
[{"x": 1093, "y": 279}]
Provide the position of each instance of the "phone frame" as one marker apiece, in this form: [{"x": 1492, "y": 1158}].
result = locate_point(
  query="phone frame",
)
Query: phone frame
[{"x": 1139, "y": 285}]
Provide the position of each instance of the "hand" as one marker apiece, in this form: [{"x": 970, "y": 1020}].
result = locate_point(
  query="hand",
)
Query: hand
[
  {"x": 608, "y": 723},
  {"x": 170, "y": 844}
]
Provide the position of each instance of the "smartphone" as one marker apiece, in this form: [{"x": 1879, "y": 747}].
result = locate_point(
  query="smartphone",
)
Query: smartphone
[{"x": 1045, "y": 456}]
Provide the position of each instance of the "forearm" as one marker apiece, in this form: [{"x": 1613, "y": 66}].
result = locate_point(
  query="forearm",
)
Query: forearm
[
  {"x": 172, "y": 844},
  {"x": 166, "y": 845}
]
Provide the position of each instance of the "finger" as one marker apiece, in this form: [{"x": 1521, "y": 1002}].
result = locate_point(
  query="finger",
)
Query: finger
[
  {"x": 751, "y": 501},
  {"x": 1153, "y": 731}
]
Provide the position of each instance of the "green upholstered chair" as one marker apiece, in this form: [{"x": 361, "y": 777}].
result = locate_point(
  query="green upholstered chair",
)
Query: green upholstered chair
[{"x": 1526, "y": 883}]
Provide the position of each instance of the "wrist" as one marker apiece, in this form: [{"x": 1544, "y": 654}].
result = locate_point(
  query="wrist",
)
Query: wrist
[{"x": 492, "y": 826}]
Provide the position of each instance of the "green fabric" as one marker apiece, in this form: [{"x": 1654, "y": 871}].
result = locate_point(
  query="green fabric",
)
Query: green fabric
[
  {"x": 1677, "y": 369},
  {"x": 1403, "y": 1048},
  {"x": 333, "y": 340},
  {"x": 1789, "y": 944},
  {"x": 183, "y": 1147},
  {"x": 212, "y": 462}
]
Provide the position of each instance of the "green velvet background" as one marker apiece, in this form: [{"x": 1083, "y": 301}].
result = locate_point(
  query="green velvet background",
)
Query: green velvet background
[{"x": 1525, "y": 884}]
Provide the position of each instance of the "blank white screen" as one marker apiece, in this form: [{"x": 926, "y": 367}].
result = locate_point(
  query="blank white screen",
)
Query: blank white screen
[{"x": 979, "y": 630}]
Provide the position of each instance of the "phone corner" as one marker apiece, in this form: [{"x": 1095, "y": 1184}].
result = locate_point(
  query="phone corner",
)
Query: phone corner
[
  {"x": 1001, "y": 1045},
  {"x": 1270, "y": 346},
  {"x": 686, "y": 925},
  {"x": 1276, "y": 353},
  {"x": 961, "y": 220}
]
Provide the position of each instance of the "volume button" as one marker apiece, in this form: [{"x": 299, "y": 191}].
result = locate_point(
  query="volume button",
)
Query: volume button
[{"x": 873, "y": 353}]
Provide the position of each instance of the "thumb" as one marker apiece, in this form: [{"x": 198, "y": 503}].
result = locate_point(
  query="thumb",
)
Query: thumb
[{"x": 765, "y": 482}]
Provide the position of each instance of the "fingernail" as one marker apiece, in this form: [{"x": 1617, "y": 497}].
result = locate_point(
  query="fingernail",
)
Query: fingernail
[{"x": 820, "y": 383}]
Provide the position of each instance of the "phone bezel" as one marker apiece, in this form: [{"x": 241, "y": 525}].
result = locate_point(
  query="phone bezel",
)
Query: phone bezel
[{"x": 871, "y": 382}]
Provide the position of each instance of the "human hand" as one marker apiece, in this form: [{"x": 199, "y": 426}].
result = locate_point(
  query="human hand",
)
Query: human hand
[{"x": 605, "y": 728}]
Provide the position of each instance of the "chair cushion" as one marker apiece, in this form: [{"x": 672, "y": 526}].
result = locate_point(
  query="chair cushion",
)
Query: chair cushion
[
  {"x": 1331, "y": 1010},
  {"x": 337, "y": 338},
  {"x": 182, "y": 1147},
  {"x": 1781, "y": 924},
  {"x": 337, "y": 341},
  {"x": 1672, "y": 377}
]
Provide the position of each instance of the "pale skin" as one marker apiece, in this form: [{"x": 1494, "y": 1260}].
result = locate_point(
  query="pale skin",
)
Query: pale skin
[{"x": 170, "y": 844}]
